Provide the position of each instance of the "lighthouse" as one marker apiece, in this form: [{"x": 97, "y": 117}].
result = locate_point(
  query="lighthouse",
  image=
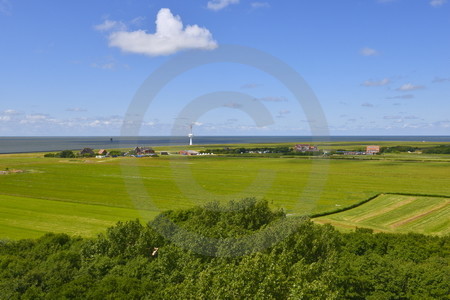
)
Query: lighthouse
[{"x": 190, "y": 135}]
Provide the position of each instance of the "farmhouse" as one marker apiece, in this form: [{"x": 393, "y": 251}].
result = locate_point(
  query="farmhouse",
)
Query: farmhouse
[
  {"x": 143, "y": 150},
  {"x": 372, "y": 150},
  {"x": 351, "y": 152},
  {"x": 305, "y": 148},
  {"x": 87, "y": 151},
  {"x": 102, "y": 152},
  {"x": 188, "y": 152}
]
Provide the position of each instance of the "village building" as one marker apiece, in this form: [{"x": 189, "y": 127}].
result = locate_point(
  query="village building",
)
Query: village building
[
  {"x": 143, "y": 150},
  {"x": 87, "y": 151},
  {"x": 188, "y": 152},
  {"x": 305, "y": 148},
  {"x": 370, "y": 150}
]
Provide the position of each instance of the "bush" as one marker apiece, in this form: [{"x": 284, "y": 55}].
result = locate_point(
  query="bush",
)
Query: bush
[{"x": 66, "y": 154}]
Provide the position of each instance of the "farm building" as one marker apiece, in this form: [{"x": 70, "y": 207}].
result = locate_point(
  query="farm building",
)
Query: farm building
[
  {"x": 372, "y": 149},
  {"x": 87, "y": 151},
  {"x": 143, "y": 150},
  {"x": 305, "y": 148},
  {"x": 188, "y": 152},
  {"x": 102, "y": 152},
  {"x": 164, "y": 153}
]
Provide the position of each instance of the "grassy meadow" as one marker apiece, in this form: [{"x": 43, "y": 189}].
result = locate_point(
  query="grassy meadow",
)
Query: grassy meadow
[
  {"x": 85, "y": 195},
  {"x": 396, "y": 213}
]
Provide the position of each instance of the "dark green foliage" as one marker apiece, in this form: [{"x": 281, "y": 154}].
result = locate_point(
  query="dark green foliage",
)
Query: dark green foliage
[
  {"x": 242, "y": 150},
  {"x": 266, "y": 151},
  {"x": 286, "y": 258},
  {"x": 442, "y": 149},
  {"x": 66, "y": 154},
  {"x": 116, "y": 153},
  {"x": 398, "y": 149}
]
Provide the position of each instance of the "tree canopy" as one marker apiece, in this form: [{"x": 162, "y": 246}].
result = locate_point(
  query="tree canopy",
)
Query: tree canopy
[{"x": 159, "y": 261}]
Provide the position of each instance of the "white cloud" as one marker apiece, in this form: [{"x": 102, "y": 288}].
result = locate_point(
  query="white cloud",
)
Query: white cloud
[
  {"x": 138, "y": 21},
  {"x": 220, "y": 4},
  {"x": 410, "y": 87},
  {"x": 260, "y": 5},
  {"x": 436, "y": 3},
  {"x": 11, "y": 112},
  {"x": 109, "y": 25},
  {"x": 366, "y": 51},
  {"x": 382, "y": 82},
  {"x": 37, "y": 119},
  {"x": 170, "y": 37}
]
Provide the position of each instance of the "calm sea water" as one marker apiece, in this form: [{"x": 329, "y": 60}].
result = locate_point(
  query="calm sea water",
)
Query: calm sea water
[{"x": 42, "y": 144}]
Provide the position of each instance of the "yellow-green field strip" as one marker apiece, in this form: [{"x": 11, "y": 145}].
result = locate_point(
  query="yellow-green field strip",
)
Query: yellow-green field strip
[
  {"x": 22, "y": 217},
  {"x": 396, "y": 213}
]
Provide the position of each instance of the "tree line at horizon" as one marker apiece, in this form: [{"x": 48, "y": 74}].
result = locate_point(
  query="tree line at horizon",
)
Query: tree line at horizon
[{"x": 296, "y": 259}]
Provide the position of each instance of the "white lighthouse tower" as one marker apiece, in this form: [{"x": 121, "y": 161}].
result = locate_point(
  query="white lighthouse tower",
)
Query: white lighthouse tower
[{"x": 190, "y": 135}]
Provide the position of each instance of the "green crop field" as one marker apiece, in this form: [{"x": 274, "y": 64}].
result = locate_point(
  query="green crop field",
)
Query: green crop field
[
  {"x": 85, "y": 195},
  {"x": 397, "y": 213}
]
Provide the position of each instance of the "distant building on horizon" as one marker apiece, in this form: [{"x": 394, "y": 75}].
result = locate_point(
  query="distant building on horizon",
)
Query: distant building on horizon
[
  {"x": 87, "y": 151},
  {"x": 372, "y": 149},
  {"x": 305, "y": 148},
  {"x": 188, "y": 152},
  {"x": 143, "y": 150}
]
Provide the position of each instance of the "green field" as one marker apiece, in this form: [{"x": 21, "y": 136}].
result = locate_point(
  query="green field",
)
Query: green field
[
  {"x": 396, "y": 213},
  {"x": 84, "y": 196}
]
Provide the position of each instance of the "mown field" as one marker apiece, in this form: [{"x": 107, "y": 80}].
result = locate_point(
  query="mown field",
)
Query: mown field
[
  {"x": 396, "y": 213},
  {"x": 84, "y": 196}
]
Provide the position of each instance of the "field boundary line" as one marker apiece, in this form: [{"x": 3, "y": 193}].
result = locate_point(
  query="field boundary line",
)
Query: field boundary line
[
  {"x": 68, "y": 201},
  {"x": 339, "y": 210}
]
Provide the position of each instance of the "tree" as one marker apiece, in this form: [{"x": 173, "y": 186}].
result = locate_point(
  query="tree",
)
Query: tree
[{"x": 66, "y": 154}]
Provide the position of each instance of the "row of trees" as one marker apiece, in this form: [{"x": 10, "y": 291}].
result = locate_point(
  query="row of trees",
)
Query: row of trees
[
  {"x": 62, "y": 154},
  {"x": 239, "y": 251},
  {"x": 280, "y": 150},
  {"x": 71, "y": 154},
  {"x": 441, "y": 149}
]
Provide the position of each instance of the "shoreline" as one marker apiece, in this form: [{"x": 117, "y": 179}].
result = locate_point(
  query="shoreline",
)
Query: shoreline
[{"x": 23, "y": 145}]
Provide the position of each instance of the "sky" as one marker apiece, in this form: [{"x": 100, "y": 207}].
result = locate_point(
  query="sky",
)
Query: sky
[{"x": 376, "y": 67}]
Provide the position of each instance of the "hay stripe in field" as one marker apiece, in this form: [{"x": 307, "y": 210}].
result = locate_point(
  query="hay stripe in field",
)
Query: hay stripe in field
[
  {"x": 393, "y": 206},
  {"x": 421, "y": 215},
  {"x": 399, "y": 213}
]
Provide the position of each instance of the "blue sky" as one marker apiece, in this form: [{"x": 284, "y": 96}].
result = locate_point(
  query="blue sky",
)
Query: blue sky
[{"x": 377, "y": 67}]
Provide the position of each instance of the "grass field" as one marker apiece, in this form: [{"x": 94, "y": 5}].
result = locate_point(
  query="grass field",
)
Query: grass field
[
  {"x": 396, "y": 213},
  {"x": 84, "y": 196}
]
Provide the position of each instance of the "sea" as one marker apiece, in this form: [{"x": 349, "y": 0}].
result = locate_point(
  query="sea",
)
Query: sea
[{"x": 49, "y": 144}]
